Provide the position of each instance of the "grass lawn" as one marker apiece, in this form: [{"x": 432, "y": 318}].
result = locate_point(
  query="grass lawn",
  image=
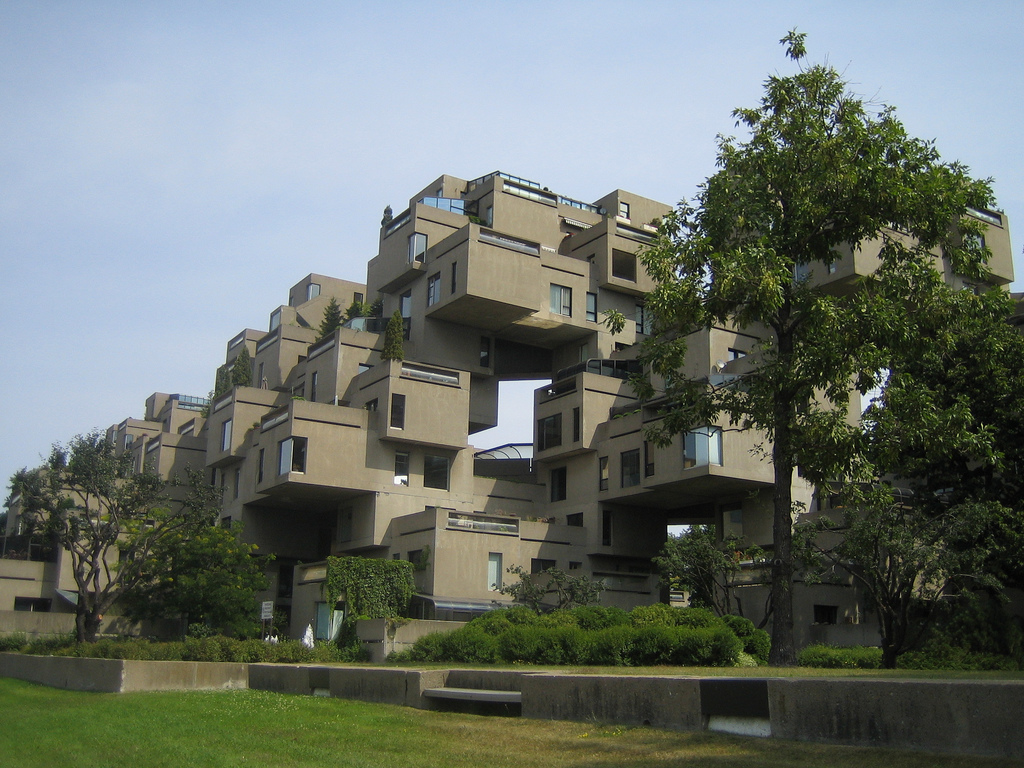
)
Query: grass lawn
[{"x": 45, "y": 727}]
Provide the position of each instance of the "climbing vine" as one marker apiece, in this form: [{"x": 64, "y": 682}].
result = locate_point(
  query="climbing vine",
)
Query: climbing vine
[{"x": 375, "y": 589}]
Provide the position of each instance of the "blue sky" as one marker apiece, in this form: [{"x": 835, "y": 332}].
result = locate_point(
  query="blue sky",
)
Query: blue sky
[{"x": 168, "y": 170}]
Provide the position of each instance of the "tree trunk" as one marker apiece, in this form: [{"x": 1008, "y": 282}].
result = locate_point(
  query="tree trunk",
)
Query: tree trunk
[{"x": 783, "y": 652}]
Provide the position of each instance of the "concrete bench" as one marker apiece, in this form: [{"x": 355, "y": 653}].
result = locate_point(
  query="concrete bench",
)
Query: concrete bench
[{"x": 475, "y": 694}]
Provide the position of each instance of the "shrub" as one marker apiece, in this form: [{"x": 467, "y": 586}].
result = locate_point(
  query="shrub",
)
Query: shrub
[
  {"x": 599, "y": 617},
  {"x": 658, "y": 614},
  {"x": 13, "y": 642},
  {"x": 696, "y": 617},
  {"x": 613, "y": 646},
  {"x": 832, "y": 657},
  {"x": 954, "y": 657},
  {"x": 756, "y": 642}
]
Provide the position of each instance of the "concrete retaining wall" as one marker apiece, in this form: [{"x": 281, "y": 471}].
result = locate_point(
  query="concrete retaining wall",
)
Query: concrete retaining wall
[
  {"x": 663, "y": 702},
  {"x": 121, "y": 676},
  {"x": 959, "y": 716}
]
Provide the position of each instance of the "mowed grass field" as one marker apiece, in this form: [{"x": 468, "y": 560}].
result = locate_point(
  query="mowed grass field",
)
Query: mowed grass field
[{"x": 48, "y": 727}]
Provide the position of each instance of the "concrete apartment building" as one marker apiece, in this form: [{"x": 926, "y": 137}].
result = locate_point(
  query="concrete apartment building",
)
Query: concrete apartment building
[{"x": 334, "y": 451}]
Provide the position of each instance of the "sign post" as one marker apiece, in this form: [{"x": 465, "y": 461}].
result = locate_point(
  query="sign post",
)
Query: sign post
[{"x": 267, "y": 614}]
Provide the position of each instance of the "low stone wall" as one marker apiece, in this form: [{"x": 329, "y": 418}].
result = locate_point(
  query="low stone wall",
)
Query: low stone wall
[
  {"x": 956, "y": 716},
  {"x": 662, "y": 702},
  {"x": 381, "y": 637},
  {"x": 959, "y": 716},
  {"x": 121, "y": 676}
]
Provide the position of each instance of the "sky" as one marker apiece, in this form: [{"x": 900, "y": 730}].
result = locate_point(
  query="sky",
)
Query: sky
[{"x": 169, "y": 170}]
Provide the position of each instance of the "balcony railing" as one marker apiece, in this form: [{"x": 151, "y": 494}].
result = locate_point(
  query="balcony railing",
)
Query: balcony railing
[
  {"x": 617, "y": 369},
  {"x": 453, "y": 204},
  {"x": 483, "y": 524}
]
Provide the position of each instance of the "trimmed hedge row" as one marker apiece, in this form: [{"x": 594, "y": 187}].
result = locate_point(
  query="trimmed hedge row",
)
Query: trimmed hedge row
[
  {"x": 217, "y": 648},
  {"x": 933, "y": 657},
  {"x": 648, "y": 636}
]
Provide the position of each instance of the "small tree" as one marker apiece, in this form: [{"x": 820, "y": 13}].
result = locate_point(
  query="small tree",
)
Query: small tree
[
  {"x": 241, "y": 370},
  {"x": 107, "y": 518},
  {"x": 393, "y": 336},
  {"x": 222, "y": 383},
  {"x": 570, "y": 591},
  {"x": 697, "y": 563},
  {"x": 332, "y": 319},
  {"x": 357, "y": 309},
  {"x": 905, "y": 560}
]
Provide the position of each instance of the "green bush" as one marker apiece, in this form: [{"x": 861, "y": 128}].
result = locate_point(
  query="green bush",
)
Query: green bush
[
  {"x": 953, "y": 657},
  {"x": 658, "y": 614},
  {"x": 613, "y": 646},
  {"x": 599, "y": 617},
  {"x": 13, "y": 642},
  {"x": 832, "y": 657},
  {"x": 756, "y": 642}
]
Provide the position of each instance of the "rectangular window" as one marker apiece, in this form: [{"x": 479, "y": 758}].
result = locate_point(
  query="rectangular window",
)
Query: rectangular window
[
  {"x": 648, "y": 461},
  {"x": 558, "y": 484},
  {"x": 312, "y": 291},
  {"x": 401, "y": 468},
  {"x": 577, "y": 425},
  {"x": 624, "y": 266},
  {"x": 494, "y": 571},
  {"x": 405, "y": 304},
  {"x": 398, "y": 411},
  {"x": 736, "y": 354},
  {"x": 574, "y": 520},
  {"x": 275, "y": 320},
  {"x": 417, "y": 247},
  {"x": 643, "y": 320},
  {"x": 433, "y": 289},
  {"x": 312, "y": 386},
  {"x": 629, "y": 465},
  {"x": 371, "y": 405},
  {"x": 485, "y": 351},
  {"x": 357, "y": 297},
  {"x": 575, "y": 565},
  {"x": 261, "y": 379},
  {"x": 602, "y": 473},
  {"x": 592, "y": 307},
  {"x": 291, "y": 455},
  {"x": 225, "y": 436},
  {"x": 549, "y": 432},
  {"x": 435, "y": 472},
  {"x": 539, "y": 565},
  {"x": 455, "y": 277},
  {"x": 606, "y": 528},
  {"x": 702, "y": 447},
  {"x": 237, "y": 482},
  {"x": 624, "y": 211},
  {"x": 259, "y": 466},
  {"x": 826, "y": 614},
  {"x": 561, "y": 300}
]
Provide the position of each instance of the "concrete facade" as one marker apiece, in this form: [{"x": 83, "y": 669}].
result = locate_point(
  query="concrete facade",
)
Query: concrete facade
[{"x": 334, "y": 451}]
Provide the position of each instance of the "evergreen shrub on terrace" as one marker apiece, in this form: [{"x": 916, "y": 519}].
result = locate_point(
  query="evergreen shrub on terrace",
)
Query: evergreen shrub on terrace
[{"x": 649, "y": 635}]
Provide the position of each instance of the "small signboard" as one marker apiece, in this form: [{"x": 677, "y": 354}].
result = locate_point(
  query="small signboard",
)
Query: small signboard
[{"x": 268, "y": 610}]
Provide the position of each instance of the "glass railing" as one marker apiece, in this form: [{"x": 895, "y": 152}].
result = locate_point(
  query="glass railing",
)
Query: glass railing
[
  {"x": 452, "y": 204},
  {"x": 618, "y": 369}
]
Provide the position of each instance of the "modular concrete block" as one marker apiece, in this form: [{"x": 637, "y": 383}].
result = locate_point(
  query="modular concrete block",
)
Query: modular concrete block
[
  {"x": 662, "y": 702},
  {"x": 183, "y": 675},
  {"x": 960, "y": 716},
  {"x": 420, "y": 680},
  {"x": 281, "y": 678},
  {"x": 381, "y": 685},
  {"x": 104, "y": 675}
]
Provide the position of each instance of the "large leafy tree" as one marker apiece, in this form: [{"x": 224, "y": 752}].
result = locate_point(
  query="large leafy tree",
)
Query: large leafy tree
[
  {"x": 107, "y": 518},
  {"x": 820, "y": 172},
  {"x": 201, "y": 574}
]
